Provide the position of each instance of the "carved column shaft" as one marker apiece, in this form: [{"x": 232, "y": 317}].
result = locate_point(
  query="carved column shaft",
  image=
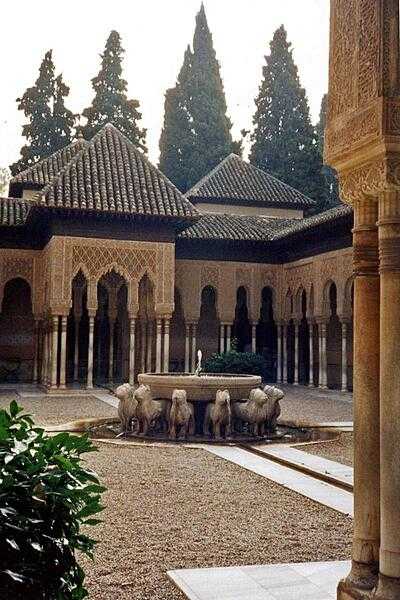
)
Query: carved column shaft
[
  {"x": 187, "y": 348},
  {"x": 311, "y": 353},
  {"x": 76, "y": 346},
  {"x": 194, "y": 345},
  {"x": 222, "y": 338},
  {"x": 279, "y": 354},
  {"x": 54, "y": 351},
  {"x": 158, "y": 344},
  {"x": 36, "y": 350},
  {"x": 149, "y": 346},
  {"x": 63, "y": 352},
  {"x": 285, "y": 357},
  {"x": 132, "y": 331},
  {"x": 89, "y": 382},
  {"x": 111, "y": 324},
  {"x": 344, "y": 356},
  {"x": 254, "y": 337},
  {"x": 389, "y": 250},
  {"x": 166, "y": 344},
  {"x": 296, "y": 353},
  {"x": 228, "y": 337}
]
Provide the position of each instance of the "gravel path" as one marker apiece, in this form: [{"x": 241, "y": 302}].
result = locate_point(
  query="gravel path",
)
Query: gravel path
[
  {"x": 52, "y": 410},
  {"x": 313, "y": 404},
  {"x": 340, "y": 450},
  {"x": 169, "y": 508}
]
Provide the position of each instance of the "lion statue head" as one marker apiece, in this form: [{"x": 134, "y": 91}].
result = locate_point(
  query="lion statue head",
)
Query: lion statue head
[
  {"x": 222, "y": 398},
  {"x": 124, "y": 391},
  {"x": 179, "y": 397},
  {"x": 258, "y": 397},
  {"x": 143, "y": 393}
]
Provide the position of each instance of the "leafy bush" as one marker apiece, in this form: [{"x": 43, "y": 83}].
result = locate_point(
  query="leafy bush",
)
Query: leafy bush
[
  {"x": 246, "y": 363},
  {"x": 45, "y": 497}
]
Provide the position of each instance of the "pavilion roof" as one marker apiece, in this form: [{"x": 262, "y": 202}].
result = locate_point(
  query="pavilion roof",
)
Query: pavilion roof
[
  {"x": 235, "y": 181},
  {"x": 13, "y": 211}
]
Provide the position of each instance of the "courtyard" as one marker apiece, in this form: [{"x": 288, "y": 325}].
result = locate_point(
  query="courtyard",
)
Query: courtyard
[{"x": 173, "y": 507}]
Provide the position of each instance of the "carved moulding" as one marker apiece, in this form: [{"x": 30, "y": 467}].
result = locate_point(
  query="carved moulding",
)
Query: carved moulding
[{"x": 370, "y": 178}]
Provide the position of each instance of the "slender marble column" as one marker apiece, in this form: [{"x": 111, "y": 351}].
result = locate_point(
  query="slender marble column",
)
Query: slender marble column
[
  {"x": 143, "y": 345},
  {"x": 54, "y": 351},
  {"x": 48, "y": 354},
  {"x": 132, "y": 327},
  {"x": 63, "y": 356},
  {"x": 324, "y": 357},
  {"x": 149, "y": 357},
  {"x": 111, "y": 324},
  {"x": 36, "y": 351},
  {"x": 89, "y": 383},
  {"x": 228, "y": 337},
  {"x": 187, "y": 348},
  {"x": 365, "y": 553},
  {"x": 296, "y": 353},
  {"x": 194, "y": 344},
  {"x": 389, "y": 251},
  {"x": 344, "y": 356},
  {"x": 158, "y": 344},
  {"x": 44, "y": 356},
  {"x": 166, "y": 345},
  {"x": 254, "y": 337},
  {"x": 222, "y": 338},
  {"x": 76, "y": 347},
  {"x": 279, "y": 354},
  {"x": 311, "y": 353},
  {"x": 284, "y": 357}
]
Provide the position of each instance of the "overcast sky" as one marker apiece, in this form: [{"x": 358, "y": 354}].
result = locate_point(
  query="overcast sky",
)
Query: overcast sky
[{"x": 154, "y": 35}]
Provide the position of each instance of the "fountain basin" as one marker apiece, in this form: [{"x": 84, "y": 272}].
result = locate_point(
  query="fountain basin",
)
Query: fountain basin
[{"x": 200, "y": 388}]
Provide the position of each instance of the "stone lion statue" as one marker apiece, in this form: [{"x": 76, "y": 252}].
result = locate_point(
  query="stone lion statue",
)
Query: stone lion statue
[
  {"x": 252, "y": 411},
  {"x": 150, "y": 412},
  {"x": 181, "y": 416},
  {"x": 127, "y": 408},
  {"x": 273, "y": 407},
  {"x": 218, "y": 415}
]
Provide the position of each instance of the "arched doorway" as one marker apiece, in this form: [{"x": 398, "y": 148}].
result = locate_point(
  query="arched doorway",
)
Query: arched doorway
[
  {"x": 267, "y": 334},
  {"x": 241, "y": 326},
  {"x": 17, "y": 340},
  {"x": 334, "y": 340},
  {"x": 208, "y": 325}
]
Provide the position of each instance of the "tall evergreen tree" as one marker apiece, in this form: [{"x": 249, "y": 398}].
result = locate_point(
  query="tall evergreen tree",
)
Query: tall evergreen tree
[
  {"x": 50, "y": 123},
  {"x": 177, "y": 136},
  {"x": 284, "y": 140},
  {"x": 110, "y": 103},
  {"x": 196, "y": 134},
  {"x": 331, "y": 192}
]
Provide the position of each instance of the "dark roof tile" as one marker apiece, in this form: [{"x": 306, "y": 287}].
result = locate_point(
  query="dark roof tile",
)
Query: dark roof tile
[{"x": 13, "y": 211}]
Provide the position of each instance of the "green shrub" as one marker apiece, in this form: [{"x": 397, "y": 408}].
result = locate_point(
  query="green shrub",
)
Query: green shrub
[
  {"x": 246, "y": 363},
  {"x": 45, "y": 497}
]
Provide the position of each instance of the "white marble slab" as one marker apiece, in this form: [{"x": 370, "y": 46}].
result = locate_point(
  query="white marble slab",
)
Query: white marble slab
[
  {"x": 294, "y": 581},
  {"x": 308, "y": 486}
]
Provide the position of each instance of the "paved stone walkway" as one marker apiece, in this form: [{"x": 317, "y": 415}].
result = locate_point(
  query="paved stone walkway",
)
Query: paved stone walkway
[
  {"x": 294, "y": 581},
  {"x": 313, "y": 404}
]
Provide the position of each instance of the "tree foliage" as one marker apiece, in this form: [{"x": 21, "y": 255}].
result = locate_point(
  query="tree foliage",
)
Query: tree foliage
[
  {"x": 46, "y": 495},
  {"x": 331, "y": 191},
  {"x": 110, "y": 103},
  {"x": 50, "y": 124},
  {"x": 197, "y": 130},
  {"x": 283, "y": 140},
  {"x": 247, "y": 363}
]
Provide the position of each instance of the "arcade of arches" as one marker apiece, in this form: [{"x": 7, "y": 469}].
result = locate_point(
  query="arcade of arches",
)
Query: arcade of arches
[{"x": 97, "y": 312}]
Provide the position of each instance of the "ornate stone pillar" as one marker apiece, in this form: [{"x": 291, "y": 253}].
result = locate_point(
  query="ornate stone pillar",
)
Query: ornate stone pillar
[
  {"x": 187, "y": 348},
  {"x": 222, "y": 338},
  {"x": 344, "y": 355},
  {"x": 149, "y": 358},
  {"x": 279, "y": 353},
  {"x": 322, "y": 379},
  {"x": 166, "y": 344},
  {"x": 311, "y": 352},
  {"x": 43, "y": 373},
  {"x": 54, "y": 350},
  {"x": 254, "y": 337},
  {"x": 63, "y": 351},
  {"x": 389, "y": 251},
  {"x": 296, "y": 353},
  {"x": 284, "y": 356},
  {"x": 158, "y": 344},
  {"x": 228, "y": 337},
  {"x": 89, "y": 381},
  {"x": 132, "y": 327},
  {"x": 365, "y": 552},
  {"x": 194, "y": 344}
]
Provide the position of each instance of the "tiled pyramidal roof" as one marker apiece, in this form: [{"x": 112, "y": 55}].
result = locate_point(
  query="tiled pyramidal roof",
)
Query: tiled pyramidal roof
[
  {"x": 258, "y": 229},
  {"x": 236, "y": 181},
  {"x": 42, "y": 172},
  {"x": 13, "y": 211},
  {"x": 106, "y": 174}
]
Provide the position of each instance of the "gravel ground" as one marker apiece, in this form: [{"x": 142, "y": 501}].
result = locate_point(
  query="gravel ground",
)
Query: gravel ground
[
  {"x": 313, "y": 404},
  {"x": 53, "y": 410},
  {"x": 169, "y": 508},
  {"x": 340, "y": 450}
]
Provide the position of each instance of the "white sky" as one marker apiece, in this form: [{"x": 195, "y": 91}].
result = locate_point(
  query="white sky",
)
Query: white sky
[{"x": 154, "y": 35}]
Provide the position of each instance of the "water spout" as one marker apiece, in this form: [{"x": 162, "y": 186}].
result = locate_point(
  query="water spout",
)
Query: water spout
[{"x": 198, "y": 367}]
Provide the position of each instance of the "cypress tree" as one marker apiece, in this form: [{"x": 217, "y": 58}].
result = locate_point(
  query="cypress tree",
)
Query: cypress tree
[
  {"x": 207, "y": 105},
  {"x": 110, "y": 103},
  {"x": 284, "y": 140},
  {"x": 331, "y": 192},
  {"x": 177, "y": 137},
  {"x": 50, "y": 123}
]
